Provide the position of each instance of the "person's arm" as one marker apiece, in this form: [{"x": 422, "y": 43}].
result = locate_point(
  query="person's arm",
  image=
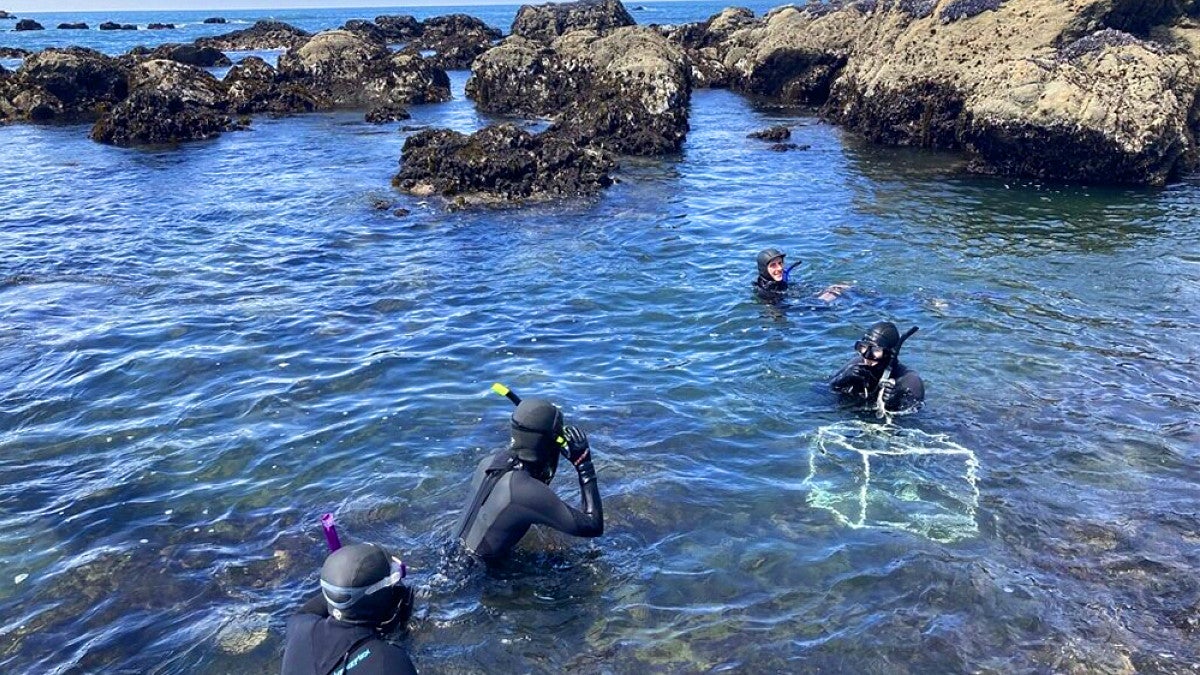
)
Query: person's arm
[
  {"x": 854, "y": 379},
  {"x": 544, "y": 507},
  {"x": 908, "y": 392}
]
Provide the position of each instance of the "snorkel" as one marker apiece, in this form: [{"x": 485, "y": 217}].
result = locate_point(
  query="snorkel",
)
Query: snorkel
[
  {"x": 880, "y": 409},
  {"x": 787, "y": 273},
  {"x": 331, "y": 534}
]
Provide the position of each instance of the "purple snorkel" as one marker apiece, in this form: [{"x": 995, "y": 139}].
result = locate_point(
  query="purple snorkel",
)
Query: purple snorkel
[{"x": 331, "y": 535}]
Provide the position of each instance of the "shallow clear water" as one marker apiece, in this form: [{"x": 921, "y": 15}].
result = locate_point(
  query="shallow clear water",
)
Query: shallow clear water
[{"x": 203, "y": 349}]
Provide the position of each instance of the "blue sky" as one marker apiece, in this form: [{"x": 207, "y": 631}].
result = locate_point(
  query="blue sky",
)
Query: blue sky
[{"x": 35, "y": 6}]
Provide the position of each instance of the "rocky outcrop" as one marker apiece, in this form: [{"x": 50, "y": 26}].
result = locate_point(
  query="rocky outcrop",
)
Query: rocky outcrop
[
  {"x": 703, "y": 43},
  {"x": 255, "y": 87},
  {"x": 776, "y": 133},
  {"x": 13, "y": 53},
  {"x": 627, "y": 92},
  {"x": 110, "y": 25},
  {"x": 67, "y": 84},
  {"x": 6, "y": 15},
  {"x": 72, "y": 26},
  {"x": 161, "y": 26},
  {"x": 262, "y": 35},
  {"x": 201, "y": 57},
  {"x": 169, "y": 103},
  {"x": 28, "y": 24},
  {"x": 549, "y": 21},
  {"x": 456, "y": 40},
  {"x": 354, "y": 71},
  {"x": 1030, "y": 87},
  {"x": 398, "y": 28},
  {"x": 500, "y": 165},
  {"x": 366, "y": 29},
  {"x": 215, "y": 19}
]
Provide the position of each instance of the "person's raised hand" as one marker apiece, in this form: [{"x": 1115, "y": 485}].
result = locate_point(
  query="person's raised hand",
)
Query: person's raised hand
[{"x": 578, "y": 450}]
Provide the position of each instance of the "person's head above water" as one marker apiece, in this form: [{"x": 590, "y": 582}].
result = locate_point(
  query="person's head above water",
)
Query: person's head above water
[
  {"x": 878, "y": 345},
  {"x": 363, "y": 585},
  {"x": 537, "y": 436},
  {"x": 770, "y": 264}
]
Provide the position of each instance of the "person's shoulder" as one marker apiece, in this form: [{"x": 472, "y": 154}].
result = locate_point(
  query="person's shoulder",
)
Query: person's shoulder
[{"x": 388, "y": 657}]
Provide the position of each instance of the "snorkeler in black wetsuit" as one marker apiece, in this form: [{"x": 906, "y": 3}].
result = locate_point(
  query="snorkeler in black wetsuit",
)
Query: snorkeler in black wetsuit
[
  {"x": 362, "y": 598},
  {"x": 861, "y": 378},
  {"x": 772, "y": 281},
  {"x": 771, "y": 284},
  {"x": 510, "y": 491}
]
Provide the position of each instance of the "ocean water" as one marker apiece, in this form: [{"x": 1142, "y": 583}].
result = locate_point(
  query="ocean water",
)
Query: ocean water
[{"x": 204, "y": 348}]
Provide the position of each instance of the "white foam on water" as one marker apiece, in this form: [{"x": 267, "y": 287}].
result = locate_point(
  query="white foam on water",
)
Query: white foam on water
[{"x": 880, "y": 475}]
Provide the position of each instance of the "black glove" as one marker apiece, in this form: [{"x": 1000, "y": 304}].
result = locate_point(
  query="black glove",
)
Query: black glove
[
  {"x": 578, "y": 450},
  {"x": 886, "y": 389}
]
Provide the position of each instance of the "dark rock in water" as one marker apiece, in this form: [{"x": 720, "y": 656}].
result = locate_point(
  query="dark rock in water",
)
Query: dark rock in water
[
  {"x": 776, "y": 133},
  {"x": 6, "y": 15},
  {"x": 110, "y": 25},
  {"x": 366, "y": 29},
  {"x": 784, "y": 147},
  {"x": 169, "y": 103},
  {"x": 13, "y": 53},
  {"x": 627, "y": 92},
  {"x": 262, "y": 35},
  {"x": 413, "y": 127},
  {"x": 499, "y": 165},
  {"x": 161, "y": 26},
  {"x": 703, "y": 43},
  {"x": 546, "y": 22},
  {"x": 80, "y": 82},
  {"x": 28, "y": 24},
  {"x": 380, "y": 204},
  {"x": 456, "y": 39},
  {"x": 72, "y": 26},
  {"x": 400, "y": 213},
  {"x": 255, "y": 87},
  {"x": 354, "y": 71},
  {"x": 215, "y": 19},
  {"x": 399, "y": 28},
  {"x": 201, "y": 57},
  {"x": 387, "y": 113}
]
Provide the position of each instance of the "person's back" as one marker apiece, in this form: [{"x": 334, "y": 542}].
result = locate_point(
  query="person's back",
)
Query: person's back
[
  {"x": 342, "y": 629},
  {"x": 510, "y": 491}
]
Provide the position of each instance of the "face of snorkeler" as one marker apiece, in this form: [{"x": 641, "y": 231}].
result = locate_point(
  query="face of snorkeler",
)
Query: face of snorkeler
[{"x": 775, "y": 269}]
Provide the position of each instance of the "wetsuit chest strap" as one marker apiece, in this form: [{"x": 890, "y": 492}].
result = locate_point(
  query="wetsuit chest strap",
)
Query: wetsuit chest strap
[{"x": 500, "y": 466}]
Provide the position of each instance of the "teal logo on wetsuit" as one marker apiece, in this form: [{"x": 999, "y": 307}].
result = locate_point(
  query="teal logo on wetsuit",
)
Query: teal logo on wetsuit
[{"x": 354, "y": 661}]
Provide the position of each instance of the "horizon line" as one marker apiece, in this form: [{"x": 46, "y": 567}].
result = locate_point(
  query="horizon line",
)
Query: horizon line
[{"x": 246, "y": 5}]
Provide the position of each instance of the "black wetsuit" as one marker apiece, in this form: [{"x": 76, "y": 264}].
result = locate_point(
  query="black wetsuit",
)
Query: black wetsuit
[
  {"x": 770, "y": 290},
  {"x": 857, "y": 381},
  {"x": 318, "y": 644},
  {"x": 506, "y": 501}
]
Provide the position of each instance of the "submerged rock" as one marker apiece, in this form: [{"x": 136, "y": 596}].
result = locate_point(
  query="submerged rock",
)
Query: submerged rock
[
  {"x": 351, "y": 70},
  {"x": 627, "y": 92},
  {"x": 72, "y": 26},
  {"x": 262, "y": 35},
  {"x": 387, "y": 113},
  {"x": 549, "y": 21},
  {"x": 169, "y": 103},
  {"x": 500, "y": 164},
  {"x": 776, "y": 133},
  {"x": 28, "y": 24},
  {"x": 215, "y": 19}
]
